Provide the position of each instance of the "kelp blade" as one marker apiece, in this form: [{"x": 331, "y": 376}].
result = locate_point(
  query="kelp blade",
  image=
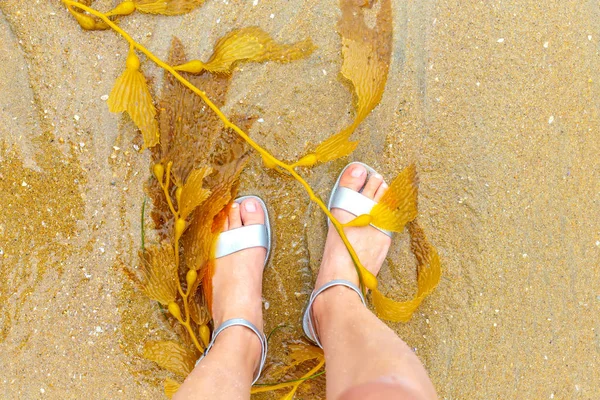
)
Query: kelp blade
[
  {"x": 366, "y": 53},
  {"x": 428, "y": 276},
  {"x": 171, "y": 387},
  {"x": 366, "y": 56},
  {"x": 299, "y": 354},
  {"x": 160, "y": 273},
  {"x": 253, "y": 44},
  {"x": 131, "y": 94},
  {"x": 337, "y": 146},
  {"x": 167, "y": 7},
  {"x": 398, "y": 205},
  {"x": 192, "y": 193},
  {"x": 170, "y": 356}
]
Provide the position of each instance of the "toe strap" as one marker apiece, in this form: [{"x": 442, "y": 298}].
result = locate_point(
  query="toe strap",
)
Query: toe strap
[
  {"x": 247, "y": 324},
  {"x": 247, "y": 236},
  {"x": 241, "y": 238},
  {"x": 307, "y": 319}
]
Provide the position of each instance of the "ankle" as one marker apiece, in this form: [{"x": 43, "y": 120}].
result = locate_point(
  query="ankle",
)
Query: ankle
[
  {"x": 330, "y": 305},
  {"x": 242, "y": 346}
]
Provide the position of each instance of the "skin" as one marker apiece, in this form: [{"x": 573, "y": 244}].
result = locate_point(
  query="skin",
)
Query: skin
[{"x": 364, "y": 358}]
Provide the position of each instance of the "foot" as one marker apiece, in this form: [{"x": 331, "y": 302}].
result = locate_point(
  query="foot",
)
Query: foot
[
  {"x": 237, "y": 285},
  {"x": 370, "y": 244}
]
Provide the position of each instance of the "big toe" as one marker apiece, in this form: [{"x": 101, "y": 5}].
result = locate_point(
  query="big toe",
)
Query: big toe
[
  {"x": 252, "y": 212},
  {"x": 354, "y": 177}
]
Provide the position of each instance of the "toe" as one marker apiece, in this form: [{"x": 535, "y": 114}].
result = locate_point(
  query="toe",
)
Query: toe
[
  {"x": 354, "y": 177},
  {"x": 252, "y": 212},
  {"x": 372, "y": 185},
  {"x": 380, "y": 192},
  {"x": 235, "y": 219}
]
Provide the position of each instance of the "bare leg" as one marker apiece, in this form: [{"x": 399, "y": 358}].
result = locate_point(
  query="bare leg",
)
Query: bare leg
[
  {"x": 364, "y": 358},
  {"x": 228, "y": 369}
]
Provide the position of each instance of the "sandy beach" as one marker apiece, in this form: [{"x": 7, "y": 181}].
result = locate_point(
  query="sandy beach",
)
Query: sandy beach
[{"x": 497, "y": 104}]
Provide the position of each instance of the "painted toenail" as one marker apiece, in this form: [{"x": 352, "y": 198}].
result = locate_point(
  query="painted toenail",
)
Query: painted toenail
[
  {"x": 357, "y": 172},
  {"x": 250, "y": 206},
  {"x": 377, "y": 176},
  {"x": 235, "y": 205}
]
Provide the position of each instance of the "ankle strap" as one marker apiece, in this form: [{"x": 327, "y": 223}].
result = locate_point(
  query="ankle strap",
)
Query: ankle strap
[
  {"x": 245, "y": 323},
  {"x": 308, "y": 320}
]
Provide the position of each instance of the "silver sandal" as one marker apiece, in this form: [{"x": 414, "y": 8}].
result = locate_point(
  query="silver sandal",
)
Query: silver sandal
[
  {"x": 356, "y": 204},
  {"x": 238, "y": 239}
]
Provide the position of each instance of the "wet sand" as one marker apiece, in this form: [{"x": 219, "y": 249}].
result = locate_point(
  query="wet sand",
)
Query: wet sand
[{"x": 496, "y": 103}]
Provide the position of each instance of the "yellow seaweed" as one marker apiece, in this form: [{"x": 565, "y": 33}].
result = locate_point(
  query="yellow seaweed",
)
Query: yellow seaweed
[
  {"x": 87, "y": 22},
  {"x": 247, "y": 44},
  {"x": 167, "y": 7},
  {"x": 170, "y": 356},
  {"x": 171, "y": 387},
  {"x": 192, "y": 192},
  {"x": 159, "y": 273},
  {"x": 428, "y": 276},
  {"x": 131, "y": 94},
  {"x": 398, "y": 205},
  {"x": 366, "y": 56},
  {"x": 428, "y": 262},
  {"x": 300, "y": 353}
]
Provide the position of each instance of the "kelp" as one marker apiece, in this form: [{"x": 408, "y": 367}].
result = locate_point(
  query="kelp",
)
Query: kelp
[
  {"x": 300, "y": 354},
  {"x": 366, "y": 56},
  {"x": 428, "y": 276},
  {"x": 171, "y": 387},
  {"x": 131, "y": 94},
  {"x": 198, "y": 152},
  {"x": 167, "y": 7},
  {"x": 170, "y": 356},
  {"x": 159, "y": 273},
  {"x": 247, "y": 44},
  {"x": 86, "y": 21}
]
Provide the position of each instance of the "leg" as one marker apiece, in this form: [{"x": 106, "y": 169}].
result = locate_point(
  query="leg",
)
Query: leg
[
  {"x": 228, "y": 369},
  {"x": 364, "y": 358}
]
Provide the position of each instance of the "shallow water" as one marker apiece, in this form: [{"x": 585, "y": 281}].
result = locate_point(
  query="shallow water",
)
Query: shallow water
[{"x": 497, "y": 103}]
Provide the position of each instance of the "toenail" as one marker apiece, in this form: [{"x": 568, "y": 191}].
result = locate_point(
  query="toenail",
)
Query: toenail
[
  {"x": 250, "y": 206},
  {"x": 377, "y": 176},
  {"x": 358, "y": 172},
  {"x": 384, "y": 185},
  {"x": 235, "y": 205}
]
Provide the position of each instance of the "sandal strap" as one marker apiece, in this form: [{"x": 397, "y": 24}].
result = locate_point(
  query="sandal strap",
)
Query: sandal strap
[
  {"x": 245, "y": 323},
  {"x": 247, "y": 236},
  {"x": 308, "y": 320},
  {"x": 242, "y": 238}
]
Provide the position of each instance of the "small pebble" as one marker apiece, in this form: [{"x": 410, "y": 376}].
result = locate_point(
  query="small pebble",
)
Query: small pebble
[
  {"x": 76, "y": 117},
  {"x": 267, "y": 305},
  {"x": 261, "y": 120},
  {"x": 254, "y": 3},
  {"x": 546, "y": 45},
  {"x": 551, "y": 119},
  {"x": 272, "y": 16},
  {"x": 104, "y": 97},
  {"x": 501, "y": 40}
]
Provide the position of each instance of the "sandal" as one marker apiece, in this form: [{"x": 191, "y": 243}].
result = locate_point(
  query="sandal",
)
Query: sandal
[
  {"x": 357, "y": 204},
  {"x": 238, "y": 239}
]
